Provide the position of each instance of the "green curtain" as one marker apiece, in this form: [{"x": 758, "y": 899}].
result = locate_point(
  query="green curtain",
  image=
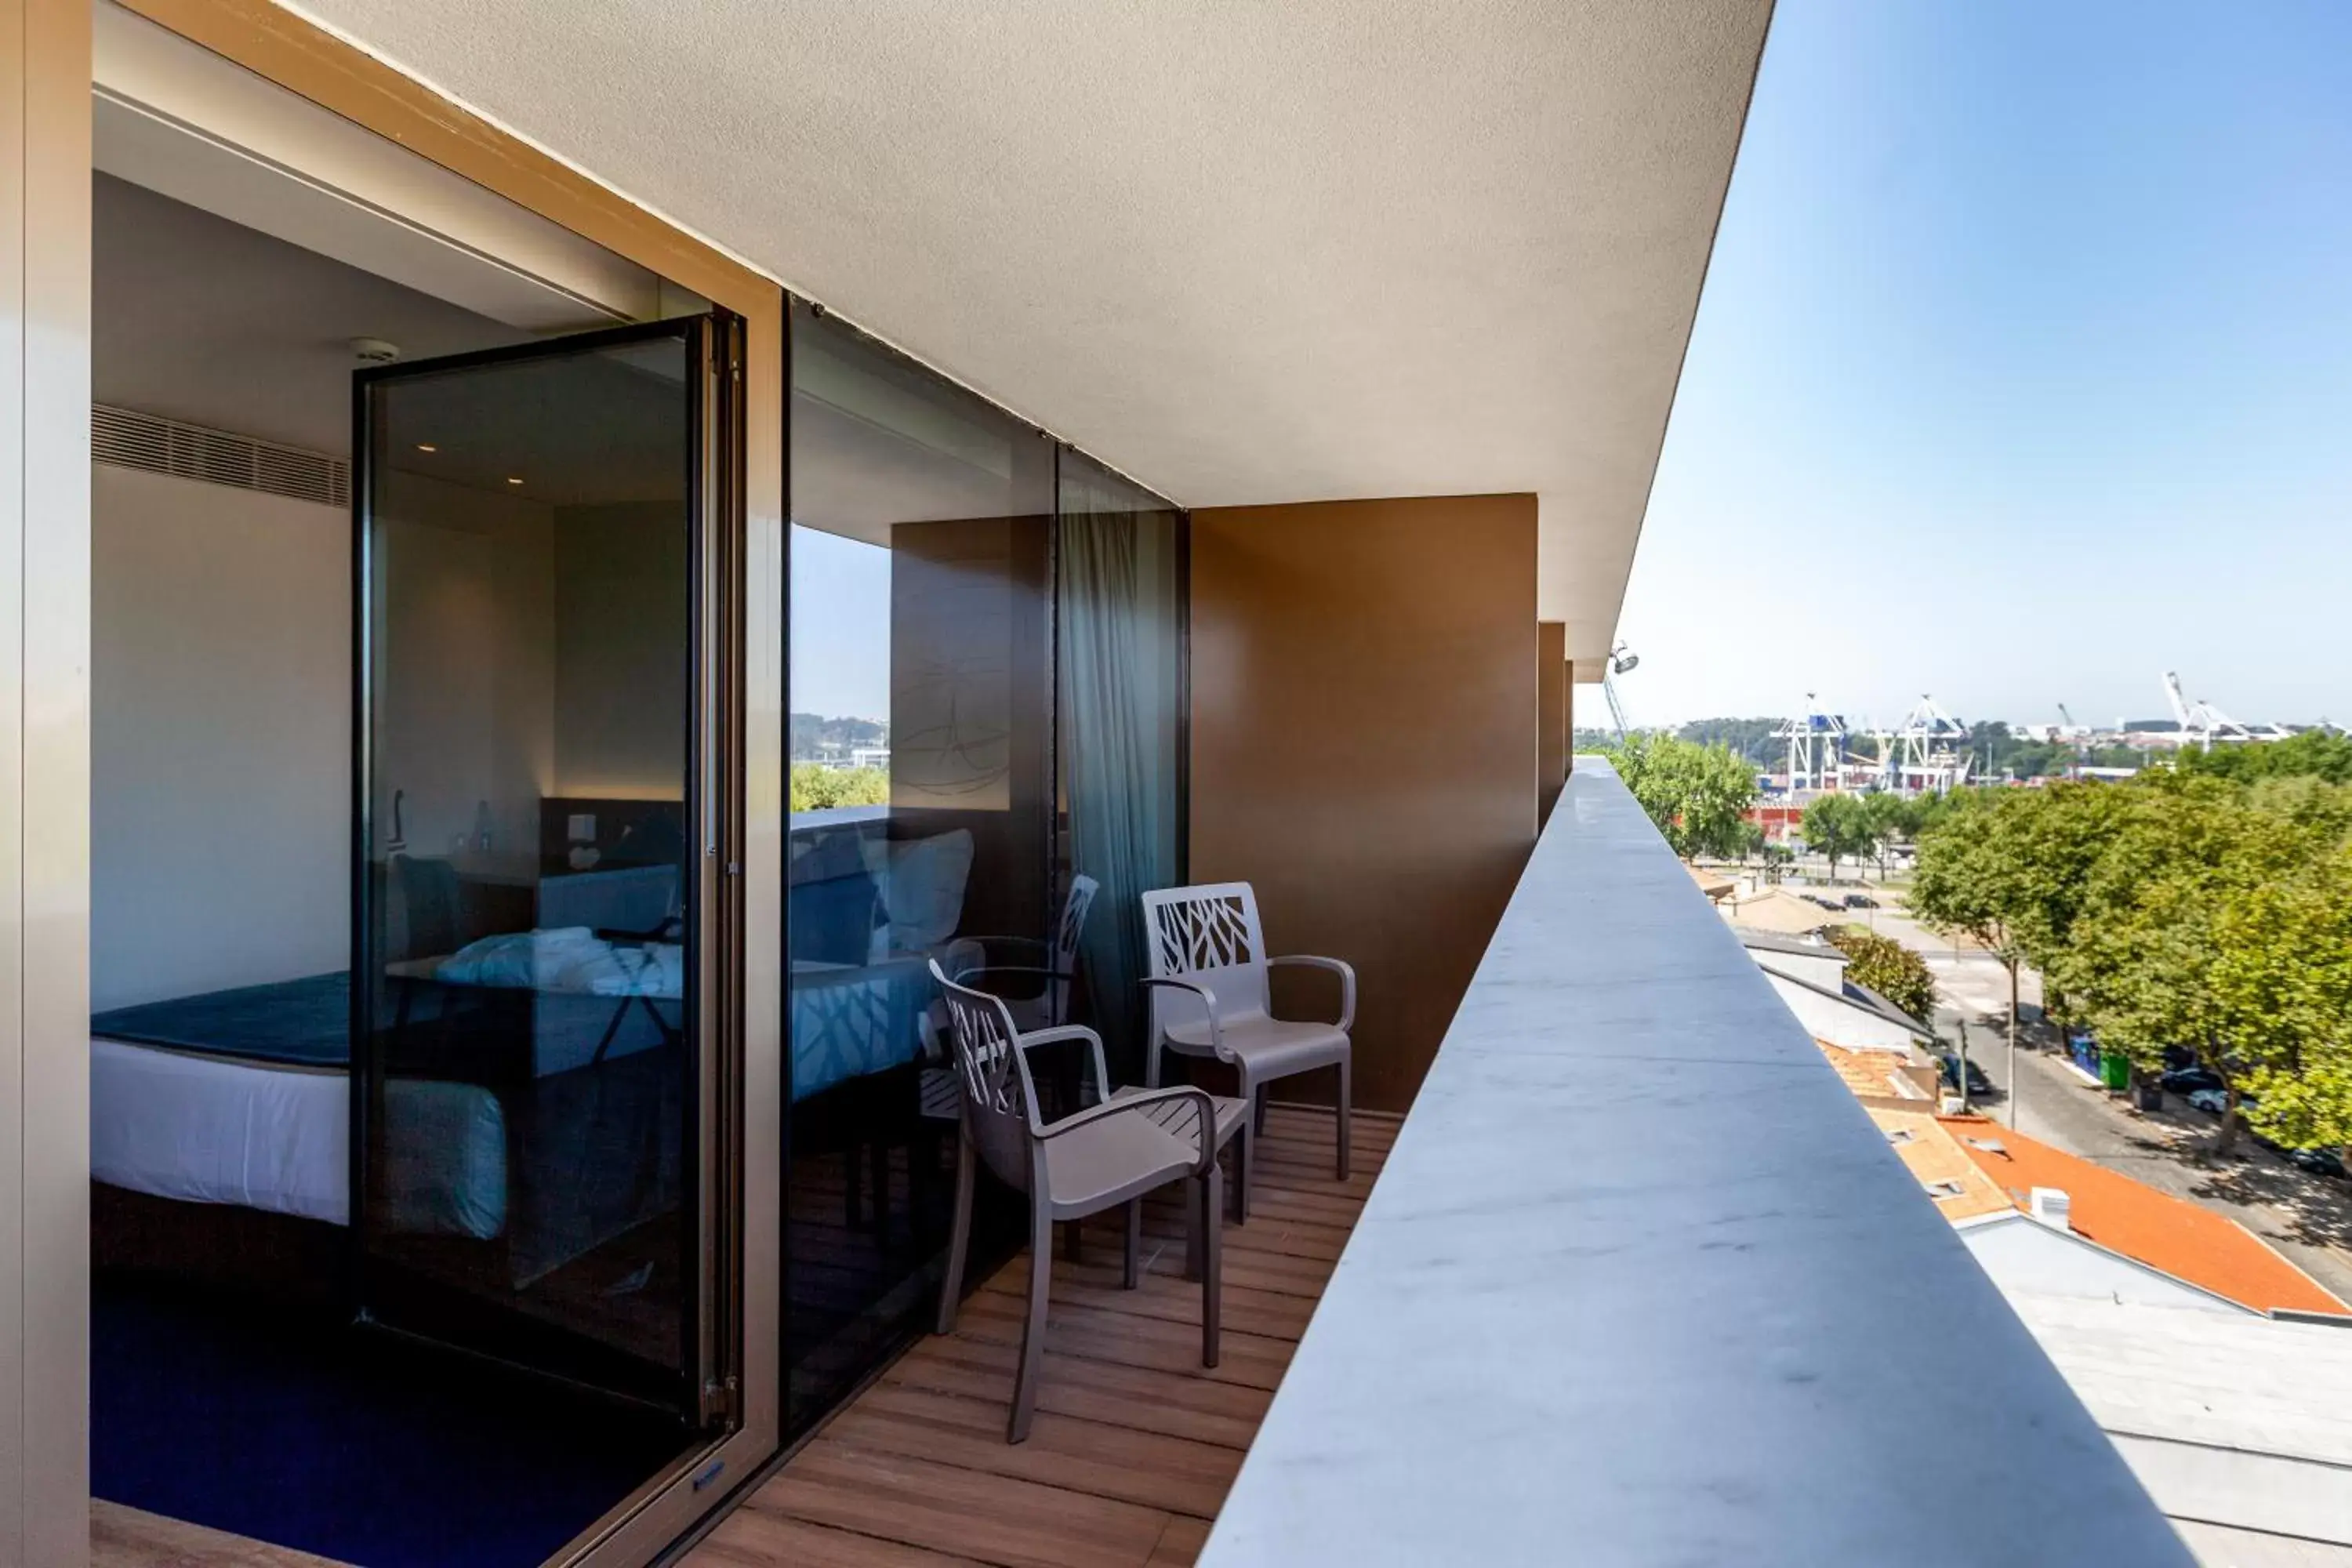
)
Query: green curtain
[{"x": 1119, "y": 569}]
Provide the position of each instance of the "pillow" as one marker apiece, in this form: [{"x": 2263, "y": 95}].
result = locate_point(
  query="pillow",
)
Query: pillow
[
  {"x": 832, "y": 916},
  {"x": 921, "y": 883},
  {"x": 521, "y": 960}
]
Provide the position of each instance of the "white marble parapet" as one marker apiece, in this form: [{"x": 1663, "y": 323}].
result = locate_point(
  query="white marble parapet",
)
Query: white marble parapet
[{"x": 1641, "y": 1283}]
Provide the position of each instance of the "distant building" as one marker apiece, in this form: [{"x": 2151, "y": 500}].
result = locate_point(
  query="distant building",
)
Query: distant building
[
  {"x": 1811, "y": 978},
  {"x": 2221, "y": 1372}
]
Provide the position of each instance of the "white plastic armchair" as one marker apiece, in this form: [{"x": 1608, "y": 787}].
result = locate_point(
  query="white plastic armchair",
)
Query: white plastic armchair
[
  {"x": 1106, "y": 1156},
  {"x": 1210, "y": 998}
]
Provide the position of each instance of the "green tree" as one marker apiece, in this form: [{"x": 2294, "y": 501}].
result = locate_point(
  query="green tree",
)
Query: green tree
[
  {"x": 1976, "y": 879},
  {"x": 2314, "y": 753},
  {"x": 1840, "y": 826},
  {"x": 2281, "y": 979},
  {"x": 2191, "y": 932},
  {"x": 1889, "y": 968},
  {"x": 2207, "y": 905},
  {"x": 1894, "y": 820},
  {"x": 815, "y": 787},
  {"x": 1697, "y": 794}
]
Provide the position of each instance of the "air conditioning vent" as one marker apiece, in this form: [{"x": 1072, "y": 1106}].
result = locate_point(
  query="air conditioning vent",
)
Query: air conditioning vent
[{"x": 129, "y": 439}]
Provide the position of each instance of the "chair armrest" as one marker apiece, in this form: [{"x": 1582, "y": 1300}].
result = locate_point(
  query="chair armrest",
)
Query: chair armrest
[
  {"x": 1204, "y": 1107},
  {"x": 1063, "y": 1034},
  {"x": 1338, "y": 966},
  {"x": 1039, "y": 944},
  {"x": 964, "y": 976},
  {"x": 1208, "y": 1004}
]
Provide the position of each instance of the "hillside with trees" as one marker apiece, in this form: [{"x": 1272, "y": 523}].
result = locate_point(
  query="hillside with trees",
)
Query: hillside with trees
[{"x": 813, "y": 735}]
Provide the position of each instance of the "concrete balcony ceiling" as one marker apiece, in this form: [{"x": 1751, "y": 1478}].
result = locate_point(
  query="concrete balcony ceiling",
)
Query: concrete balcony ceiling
[{"x": 1247, "y": 252}]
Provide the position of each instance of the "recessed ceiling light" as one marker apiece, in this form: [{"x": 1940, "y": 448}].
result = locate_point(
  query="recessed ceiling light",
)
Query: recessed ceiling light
[
  {"x": 427, "y": 447},
  {"x": 514, "y": 481}
]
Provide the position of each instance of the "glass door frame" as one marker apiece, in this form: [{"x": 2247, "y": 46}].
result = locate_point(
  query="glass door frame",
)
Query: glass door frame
[
  {"x": 707, "y": 1196},
  {"x": 294, "y": 54},
  {"x": 715, "y": 775}
]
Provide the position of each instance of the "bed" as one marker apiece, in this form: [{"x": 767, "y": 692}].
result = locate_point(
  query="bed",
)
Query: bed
[
  {"x": 531, "y": 1096},
  {"x": 242, "y": 1096}
]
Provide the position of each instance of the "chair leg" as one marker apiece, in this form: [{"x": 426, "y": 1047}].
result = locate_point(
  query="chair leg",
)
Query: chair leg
[
  {"x": 1258, "y": 1108},
  {"x": 1134, "y": 1271},
  {"x": 1209, "y": 1220},
  {"x": 1243, "y": 1141},
  {"x": 1342, "y": 1119},
  {"x": 1192, "y": 1259},
  {"x": 1033, "y": 1333},
  {"x": 958, "y": 1235}
]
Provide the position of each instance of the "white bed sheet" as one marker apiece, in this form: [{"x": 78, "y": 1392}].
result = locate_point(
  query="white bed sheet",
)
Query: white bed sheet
[{"x": 204, "y": 1130}]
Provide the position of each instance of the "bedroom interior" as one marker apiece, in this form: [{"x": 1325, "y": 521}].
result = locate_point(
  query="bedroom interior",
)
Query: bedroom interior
[
  {"x": 423, "y": 1274},
  {"x": 415, "y": 608}
]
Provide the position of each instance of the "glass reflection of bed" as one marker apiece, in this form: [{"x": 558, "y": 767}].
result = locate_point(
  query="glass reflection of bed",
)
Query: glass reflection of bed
[
  {"x": 868, "y": 914},
  {"x": 534, "y": 1117},
  {"x": 532, "y": 1100}
]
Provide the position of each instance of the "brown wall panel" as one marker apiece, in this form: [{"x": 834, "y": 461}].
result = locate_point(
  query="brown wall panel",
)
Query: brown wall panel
[
  {"x": 970, "y": 722},
  {"x": 1551, "y": 715},
  {"x": 1364, "y": 741}
]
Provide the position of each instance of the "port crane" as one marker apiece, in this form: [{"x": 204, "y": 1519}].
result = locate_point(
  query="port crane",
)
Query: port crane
[
  {"x": 1618, "y": 663},
  {"x": 2201, "y": 722}
]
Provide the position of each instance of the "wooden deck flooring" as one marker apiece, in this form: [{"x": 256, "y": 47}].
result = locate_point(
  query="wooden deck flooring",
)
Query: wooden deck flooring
[
  {"x": 123, "y": 1537},
  {"x": 1135, "y": 1442}
]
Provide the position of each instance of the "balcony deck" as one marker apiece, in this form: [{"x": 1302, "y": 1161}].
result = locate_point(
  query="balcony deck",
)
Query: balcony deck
[{"x": 1135, "y": 1443}]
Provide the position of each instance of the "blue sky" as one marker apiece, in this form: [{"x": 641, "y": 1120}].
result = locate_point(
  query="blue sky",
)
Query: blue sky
[
  {"x": 2024, "y": 371},
  {"x": 841, "y": 627}
]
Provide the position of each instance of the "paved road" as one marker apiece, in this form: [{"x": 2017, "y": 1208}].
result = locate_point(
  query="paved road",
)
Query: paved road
[{"x": 2309, "y": 1218}]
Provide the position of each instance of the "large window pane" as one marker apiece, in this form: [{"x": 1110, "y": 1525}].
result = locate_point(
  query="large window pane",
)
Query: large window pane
[
  {"x": 526, "y": 1045},
  {"x": 922, "y": 792}
]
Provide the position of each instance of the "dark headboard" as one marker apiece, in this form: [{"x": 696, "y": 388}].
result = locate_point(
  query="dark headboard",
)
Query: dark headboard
[{"x": 627, "y": 832}]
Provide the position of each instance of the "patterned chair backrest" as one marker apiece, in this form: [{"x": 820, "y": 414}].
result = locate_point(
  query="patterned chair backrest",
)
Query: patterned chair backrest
[
  {"x": 997, "y": 1093},
  {"x": 1067, "y": 936},
  {"x": 1208, "y": 934}
]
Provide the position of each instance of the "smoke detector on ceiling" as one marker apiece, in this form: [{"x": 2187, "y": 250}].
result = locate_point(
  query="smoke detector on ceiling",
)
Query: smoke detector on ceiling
[{"x": 374, "y": 351}]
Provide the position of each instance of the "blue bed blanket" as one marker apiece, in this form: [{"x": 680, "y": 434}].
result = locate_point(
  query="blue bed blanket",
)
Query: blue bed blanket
[
  {"x": 296, "y": 1023},
  {"x": 846, "y": 1021}
]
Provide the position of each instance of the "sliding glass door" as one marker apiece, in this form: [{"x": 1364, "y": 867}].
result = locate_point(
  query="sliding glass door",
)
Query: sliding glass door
[
  {"x": 922, "y": 809},
  {"x": 543, "y": 1120}
]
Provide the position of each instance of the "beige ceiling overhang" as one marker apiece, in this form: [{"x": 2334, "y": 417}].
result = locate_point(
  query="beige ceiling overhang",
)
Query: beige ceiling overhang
[{"x": 1247, "y": 252}]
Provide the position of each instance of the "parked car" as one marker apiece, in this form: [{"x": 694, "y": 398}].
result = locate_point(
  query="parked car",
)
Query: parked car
[
  {"x": 2213, "y": 1101},
  {"x": 1827, "y": 903},
  {"x": 1860, "y": 901},
  {"x": 2319, "y": 1162},
  {"x": 1950, "y": 1068},
  {"x": 2188, "y": 1080}
]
